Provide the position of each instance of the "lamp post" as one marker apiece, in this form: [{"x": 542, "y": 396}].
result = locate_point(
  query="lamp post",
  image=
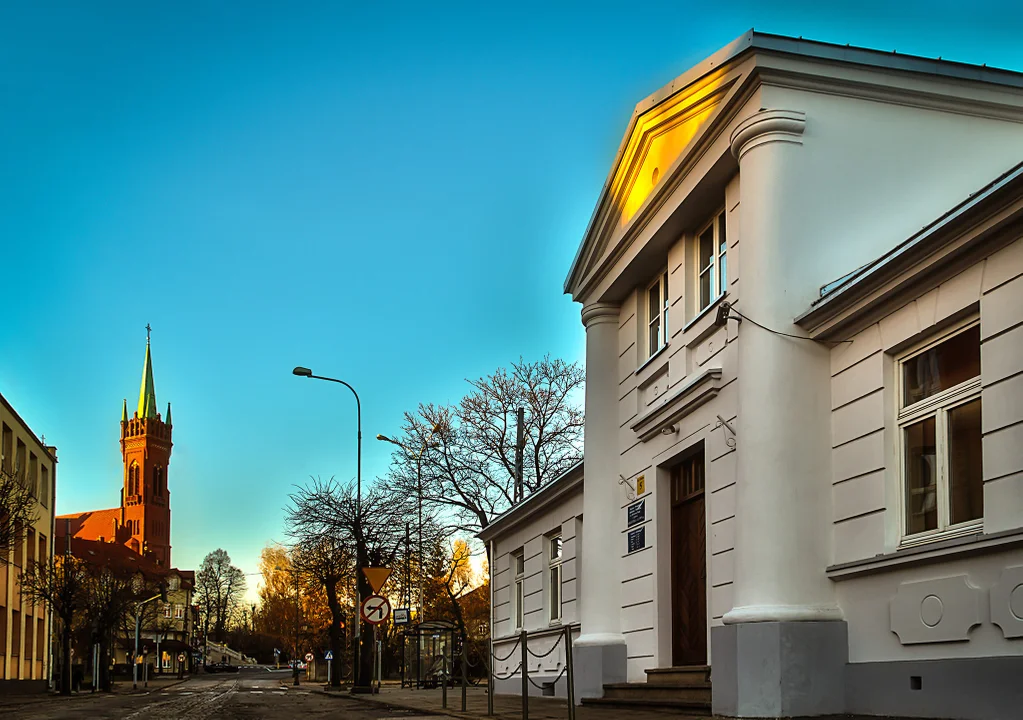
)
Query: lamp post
[
  {"x": 306, "y": 372},
  {"x": 419, "y": 497}
]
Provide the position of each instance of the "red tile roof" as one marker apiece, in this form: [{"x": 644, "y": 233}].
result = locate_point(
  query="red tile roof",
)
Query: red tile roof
[{"x": 92, "y": 524}]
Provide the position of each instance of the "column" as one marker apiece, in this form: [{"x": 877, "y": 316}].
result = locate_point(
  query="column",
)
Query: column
[
  {"x": 783, "y": 648},
  {"x": 600, "y": 651}
]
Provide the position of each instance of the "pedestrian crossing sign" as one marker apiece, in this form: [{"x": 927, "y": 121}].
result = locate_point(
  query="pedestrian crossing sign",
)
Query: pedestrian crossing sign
[{"x": 328, "y": 655}]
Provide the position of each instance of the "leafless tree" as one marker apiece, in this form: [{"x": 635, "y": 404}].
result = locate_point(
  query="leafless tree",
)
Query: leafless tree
[
  {"x": 59, "y": 583},
  {"x": 17, "y": 510},
  {"x": 328, "y": 511},
  {"x": 461, "y": 458},
  {"x": 219, "y": 589}
]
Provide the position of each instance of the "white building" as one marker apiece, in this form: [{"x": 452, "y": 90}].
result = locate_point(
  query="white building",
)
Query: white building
[{"x": 832, "y": 487}]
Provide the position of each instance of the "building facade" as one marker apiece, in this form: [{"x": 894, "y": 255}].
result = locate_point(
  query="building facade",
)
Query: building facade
[
  {"x": 25, "y": 626},
  {"x": 804, "y": 414}
]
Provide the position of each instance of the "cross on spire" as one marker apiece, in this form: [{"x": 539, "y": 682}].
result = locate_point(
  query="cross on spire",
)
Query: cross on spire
[{"x": 148, "y": 331}]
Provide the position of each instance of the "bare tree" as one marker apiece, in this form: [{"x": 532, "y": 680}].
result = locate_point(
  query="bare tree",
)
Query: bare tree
[
  {"x": 219, "y": 589},
  {"x": 461, "y": 458},
  {"x": 59, "y": 583},
  {"x": 374, "y": 534},
  {"x": 17, "y": 510}
]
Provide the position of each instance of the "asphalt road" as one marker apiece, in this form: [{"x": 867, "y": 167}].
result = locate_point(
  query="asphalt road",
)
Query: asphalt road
[{"x": 245, "y": 696}]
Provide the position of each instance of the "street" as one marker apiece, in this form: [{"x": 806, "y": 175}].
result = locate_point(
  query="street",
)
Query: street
[{"x": 247, "y": 695}]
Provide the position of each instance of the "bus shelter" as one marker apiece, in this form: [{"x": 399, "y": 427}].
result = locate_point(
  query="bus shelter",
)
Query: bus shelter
[{"x": 429, "y": 653}]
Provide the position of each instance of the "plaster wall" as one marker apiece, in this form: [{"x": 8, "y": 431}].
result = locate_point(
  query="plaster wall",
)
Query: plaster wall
[
  {"x": 866, "y": 483},
  {"x": 530, "y": 537}
]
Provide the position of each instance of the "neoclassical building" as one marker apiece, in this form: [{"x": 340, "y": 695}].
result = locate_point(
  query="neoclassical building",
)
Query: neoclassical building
[{"x": 802, "y": 494}]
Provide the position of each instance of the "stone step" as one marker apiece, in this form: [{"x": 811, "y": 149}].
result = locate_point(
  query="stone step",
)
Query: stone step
[
  {"x": 681, "y": 708},
  {"x": 695, "y": 692},
  {"x": 679, "y": 675}
]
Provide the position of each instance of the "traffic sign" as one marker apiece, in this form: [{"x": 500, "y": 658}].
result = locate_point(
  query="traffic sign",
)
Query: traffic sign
[
  {"x": 401, "y": 616},
  {"x": 309, "y": 657},
  {"x": 375, "y": 609},
  {"x": 181, "y": 657},
  {"x": 328, "y": 655},
  {"x": 376, "y": 576}
]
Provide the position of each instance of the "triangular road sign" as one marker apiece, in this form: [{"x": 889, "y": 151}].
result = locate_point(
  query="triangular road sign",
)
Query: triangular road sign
[{"x": 376, "y": 576}]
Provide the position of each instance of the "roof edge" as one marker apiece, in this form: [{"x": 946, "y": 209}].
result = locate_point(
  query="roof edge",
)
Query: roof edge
[{"x": 556, "y": 488}]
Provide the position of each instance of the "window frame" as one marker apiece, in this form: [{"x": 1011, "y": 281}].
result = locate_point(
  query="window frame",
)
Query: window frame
[
  {"x": 937, "y": 406},
  {"x": 554, "y": 568},
  {"x": 718, "y": 267},
  {"x": 661, "y": 283},
  {"x": 518, "y": 583}
]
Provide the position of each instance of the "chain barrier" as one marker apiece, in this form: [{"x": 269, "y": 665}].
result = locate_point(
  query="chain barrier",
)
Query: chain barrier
[
  {"x": 555, "y": 680},
  {"x": 510, "y": 675},
  {"x": 508, "y": 657},
  {"x": 561, "y": 636}
]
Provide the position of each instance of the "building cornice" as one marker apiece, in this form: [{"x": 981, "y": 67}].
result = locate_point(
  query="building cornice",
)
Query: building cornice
[
  {"x": 767, "y": 126},
  {"x": 565, "y": 484},
  {"x": 689, "y": 396},
  {"x": 988, "y": 218}
]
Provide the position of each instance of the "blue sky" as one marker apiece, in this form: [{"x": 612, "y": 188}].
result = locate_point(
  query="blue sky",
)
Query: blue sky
[{"x": 388, "y": 193}]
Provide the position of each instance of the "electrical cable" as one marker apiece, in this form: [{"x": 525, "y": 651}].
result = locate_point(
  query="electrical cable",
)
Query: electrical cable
[{"x": 731, "y": 308}]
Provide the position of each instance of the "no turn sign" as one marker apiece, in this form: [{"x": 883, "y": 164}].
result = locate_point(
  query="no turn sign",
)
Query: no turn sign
[{"x": 375, "y": 609}]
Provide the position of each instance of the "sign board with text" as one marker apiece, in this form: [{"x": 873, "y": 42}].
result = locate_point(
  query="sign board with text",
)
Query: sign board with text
[{"x": 401, "y": 616}]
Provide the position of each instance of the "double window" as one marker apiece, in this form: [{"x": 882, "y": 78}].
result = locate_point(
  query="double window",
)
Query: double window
[
  {"x": 657, "y": 314},
  {"x": 940, "y": 436},
  {"x": 554, "y": 556},
  {"x": 519, "y": 568},
  {"x": 712, "y": 268}
]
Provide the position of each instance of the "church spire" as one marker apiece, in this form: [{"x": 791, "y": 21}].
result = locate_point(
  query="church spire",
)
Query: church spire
[
  {"x": 124, "y": 411},
  {"x": 147, "y": 392}
]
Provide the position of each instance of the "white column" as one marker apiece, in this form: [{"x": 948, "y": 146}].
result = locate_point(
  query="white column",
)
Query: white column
[
  {"x": 783, "y": 502},
  {"x": 600, "y": 653},
  {"x": 600, "y": 599}
]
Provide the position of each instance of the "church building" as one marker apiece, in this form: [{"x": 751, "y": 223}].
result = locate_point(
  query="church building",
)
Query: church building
[{"x": 142, "y": 522}]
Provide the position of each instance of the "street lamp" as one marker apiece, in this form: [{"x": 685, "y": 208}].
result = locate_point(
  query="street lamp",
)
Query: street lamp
[
  {"x": 306, "y": 372},
  {"x": 419, "y": 484}
]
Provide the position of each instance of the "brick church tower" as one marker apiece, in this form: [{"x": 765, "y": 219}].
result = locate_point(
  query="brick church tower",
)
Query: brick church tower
[{"x": 146, "y": 449}]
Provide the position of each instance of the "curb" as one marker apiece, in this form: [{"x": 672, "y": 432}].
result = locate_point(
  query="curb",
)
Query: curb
[
  {"x": 142, "y": 690},
  {"x": 400, "y": 706}
]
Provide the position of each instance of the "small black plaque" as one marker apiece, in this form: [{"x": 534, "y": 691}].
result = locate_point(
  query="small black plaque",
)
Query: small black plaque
[
  {"x": 637, "y": 539},
  {"x": 637, "y": 513}
]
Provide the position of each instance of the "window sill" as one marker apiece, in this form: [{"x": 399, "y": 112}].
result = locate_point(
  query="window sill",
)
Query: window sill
[
  {"x": 652, "y": 359},
  {"x": 936, "y": 551},
  {"x": 705, "y": 312}
]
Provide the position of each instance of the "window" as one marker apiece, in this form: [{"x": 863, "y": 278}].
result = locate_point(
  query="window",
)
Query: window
[
  {"x": 554, "y": 576},
  {"x": 519, "y": 568},
  {"x": 44, "y": 487},
  {"x": 179, "y": 612},
  {"x": 8, "y": 449},
  {"x": 167, "y": 610},
  {"x": 657, "y": 315},
  {"x": 940, "y": 436},
  {"x": 712, "y": 274}
]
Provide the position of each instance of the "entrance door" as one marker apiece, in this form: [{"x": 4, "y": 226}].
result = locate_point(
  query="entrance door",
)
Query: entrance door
[{"x": 689, "y": 563}]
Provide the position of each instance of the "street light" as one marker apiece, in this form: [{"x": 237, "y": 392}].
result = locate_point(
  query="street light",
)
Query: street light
[{"x": 306, "y": 372}]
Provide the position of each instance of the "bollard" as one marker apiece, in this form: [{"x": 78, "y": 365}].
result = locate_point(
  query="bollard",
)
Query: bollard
[
  {"x": 525, "y": 676},
  {"x": 570, "y": 672},
  {"x": 444, "y": 681},
  {"x": 465, "y": 671}
]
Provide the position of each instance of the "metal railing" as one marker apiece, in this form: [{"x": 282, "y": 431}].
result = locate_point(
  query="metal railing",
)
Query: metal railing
[{"x": 522, "y": 644}]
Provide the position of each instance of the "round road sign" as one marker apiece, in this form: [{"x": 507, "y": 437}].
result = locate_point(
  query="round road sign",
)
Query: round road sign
[
  {"x": 375, "y": 609},
  {"x": 309, "y": 657}
]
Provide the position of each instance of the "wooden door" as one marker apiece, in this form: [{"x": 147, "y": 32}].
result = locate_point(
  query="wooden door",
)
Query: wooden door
[{"x": 689, "y": 563}]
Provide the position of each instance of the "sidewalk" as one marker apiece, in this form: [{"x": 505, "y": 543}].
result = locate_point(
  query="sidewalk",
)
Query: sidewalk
[
  {"x": 122, "y": 686},
  {"x": 506, "y": 707}
]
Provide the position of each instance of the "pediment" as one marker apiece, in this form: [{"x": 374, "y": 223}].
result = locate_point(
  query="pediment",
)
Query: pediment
[{"x": 662, "y": 136}]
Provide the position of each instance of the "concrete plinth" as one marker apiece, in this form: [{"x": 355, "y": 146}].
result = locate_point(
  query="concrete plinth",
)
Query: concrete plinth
[
  {"x": 779, "y": 669},
  {"x": 595, "y": 665}
]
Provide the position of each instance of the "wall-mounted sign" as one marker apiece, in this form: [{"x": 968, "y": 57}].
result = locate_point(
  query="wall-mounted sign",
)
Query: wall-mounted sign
[
  {"x": 637, "y": 513},
  {"x": 637, "y": 539},
  {"x": 641, "y": 484}
]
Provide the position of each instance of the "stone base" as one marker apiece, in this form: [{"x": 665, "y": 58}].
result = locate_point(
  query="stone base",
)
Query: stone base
[
  {"x": 987, "y": 688},
  {"x": 779, "y": 669},
  {"x": 595, "y": 665}
]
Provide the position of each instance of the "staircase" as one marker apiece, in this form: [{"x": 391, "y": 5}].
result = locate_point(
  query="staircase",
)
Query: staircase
[{"x": 684, "y": 689}]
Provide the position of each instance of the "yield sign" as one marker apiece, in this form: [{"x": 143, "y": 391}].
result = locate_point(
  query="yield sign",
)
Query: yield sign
[
  {"x": 376, "y": 576},
  {"x": 375, "y": 609}
]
